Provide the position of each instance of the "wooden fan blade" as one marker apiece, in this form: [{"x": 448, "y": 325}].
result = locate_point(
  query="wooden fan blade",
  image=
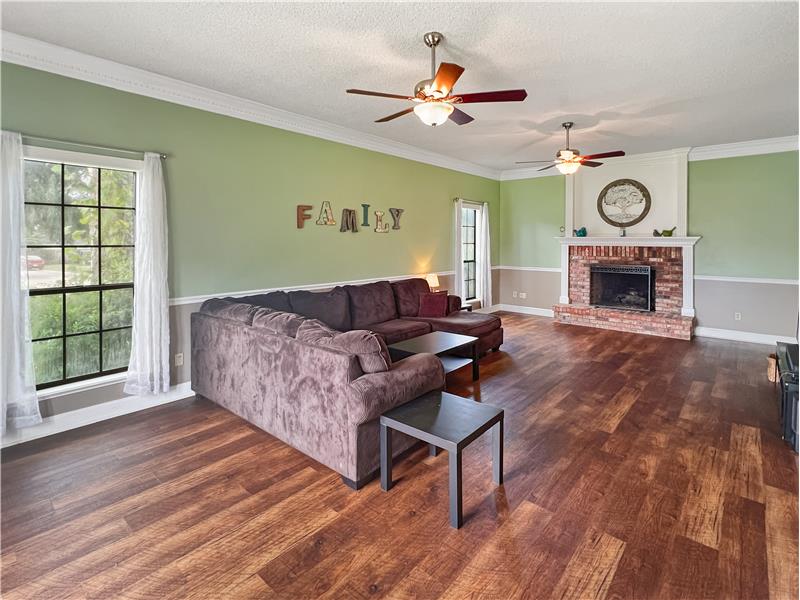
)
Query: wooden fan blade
[
  {"x": 525, "y": 162},
  {"x": 501, "y": 96},
  {"x": 459, "y": 117},
  {"x": 548, "y": 167},
  {"x": 604, "y": 155},
  {"x": 446, "y": 77},
  {"x": 395, "y": 115},
  {"x": 590, "y": 163},
  {"x": 379, "y": 94}
]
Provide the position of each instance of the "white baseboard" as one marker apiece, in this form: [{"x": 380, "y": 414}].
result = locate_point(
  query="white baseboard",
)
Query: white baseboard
[
  {"x": 525, "y": 310},
  {"x": 93, "y": 414},
  {"x": 709, "y": 332},
  {"x": 742, "y": 336}
]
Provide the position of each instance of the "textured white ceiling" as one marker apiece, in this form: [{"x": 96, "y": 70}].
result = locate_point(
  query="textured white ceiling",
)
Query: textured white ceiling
[{"x": 639, "y": 77}]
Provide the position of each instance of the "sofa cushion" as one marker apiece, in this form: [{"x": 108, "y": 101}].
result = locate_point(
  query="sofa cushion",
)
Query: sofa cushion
[
  {"x": 332, "y": 308},
  {"x": 371, "y": 350},
  {"x": 398, "y": 330},
  {"x": 273, "y": 300},
  {"x": 465, "y": 323},
  {"x": 406, "y": 295},
  {"x": 433, "y": 304},
  {"x": 277, "y": 321},
  {"x": 229, "y": 308},
  {"x": 371, "y": 303}
]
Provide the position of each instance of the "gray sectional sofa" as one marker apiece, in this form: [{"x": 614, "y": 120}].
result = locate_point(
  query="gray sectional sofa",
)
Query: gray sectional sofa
[{"x": 313, "y": 369}]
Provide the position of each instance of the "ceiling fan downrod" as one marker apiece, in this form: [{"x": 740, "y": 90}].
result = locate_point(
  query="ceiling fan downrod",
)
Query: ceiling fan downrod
[{"x": 433, "y": 39}]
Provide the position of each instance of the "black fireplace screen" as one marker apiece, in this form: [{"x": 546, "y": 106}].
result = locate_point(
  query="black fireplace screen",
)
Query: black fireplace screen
[{"x": 629, "y": 287}]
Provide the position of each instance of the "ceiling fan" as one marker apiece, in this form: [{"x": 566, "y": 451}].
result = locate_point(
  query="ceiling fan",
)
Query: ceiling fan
[
  {"x": 433, "y": 97},
  {"x": 569, "y": 160}
]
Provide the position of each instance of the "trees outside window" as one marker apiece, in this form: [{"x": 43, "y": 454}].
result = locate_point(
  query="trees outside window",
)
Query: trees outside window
[{"x": 79, "y": 268}]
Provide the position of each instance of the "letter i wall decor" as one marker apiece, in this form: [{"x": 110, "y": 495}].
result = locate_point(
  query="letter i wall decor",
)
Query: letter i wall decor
[{"x": 349, "y": 221}]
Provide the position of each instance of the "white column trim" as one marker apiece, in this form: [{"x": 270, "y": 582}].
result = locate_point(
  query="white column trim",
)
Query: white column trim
[
  {"x": 687, "y": 310},
  {"x": 564, "y": 297}
]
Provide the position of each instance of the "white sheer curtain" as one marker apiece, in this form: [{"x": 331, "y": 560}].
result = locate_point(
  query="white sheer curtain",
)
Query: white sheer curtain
[
  {"x": 148, "y": 371},
  {"x": 458, "y": 251},
  {"x": 17, "y": 384},
  {"x": 483, "y": 256}
]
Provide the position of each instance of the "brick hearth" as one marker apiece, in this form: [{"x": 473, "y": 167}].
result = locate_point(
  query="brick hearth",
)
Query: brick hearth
[{"x": 666, "y": 320}]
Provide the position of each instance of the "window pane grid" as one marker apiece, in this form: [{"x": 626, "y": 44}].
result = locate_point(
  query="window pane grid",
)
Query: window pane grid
[
  {"x": 72, "y": 340},
  {"x": 468, "y": 243}
]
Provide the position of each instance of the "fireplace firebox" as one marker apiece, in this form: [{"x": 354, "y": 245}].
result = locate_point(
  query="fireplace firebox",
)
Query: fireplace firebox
[{"x": 627, "y": 287}]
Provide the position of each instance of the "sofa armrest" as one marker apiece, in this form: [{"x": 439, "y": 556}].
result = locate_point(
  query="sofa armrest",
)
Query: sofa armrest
[
  {"x": 453, "y": 304},
  {"x": 375, "y": 393}
]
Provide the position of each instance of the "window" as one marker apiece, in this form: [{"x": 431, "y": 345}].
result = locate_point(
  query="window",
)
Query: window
[
  {"x": 79, "y": 266},
  {"x": 468, "y": 230}
]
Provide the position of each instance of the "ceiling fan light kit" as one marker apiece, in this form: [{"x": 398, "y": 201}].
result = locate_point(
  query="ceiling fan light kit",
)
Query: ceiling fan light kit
[
  {"x": 434, "y": 98},
  {"x": 433, "y": 113}
]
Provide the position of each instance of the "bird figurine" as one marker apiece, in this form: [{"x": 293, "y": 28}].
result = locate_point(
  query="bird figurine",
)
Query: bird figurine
[
  {"x": 580, "y": 232},
  {"x": 664, "y": 232}
]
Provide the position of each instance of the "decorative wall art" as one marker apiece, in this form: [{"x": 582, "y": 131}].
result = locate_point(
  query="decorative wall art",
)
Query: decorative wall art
[
  {"x": 349, "y": 220},
  {"x": 623, "y": 203}
]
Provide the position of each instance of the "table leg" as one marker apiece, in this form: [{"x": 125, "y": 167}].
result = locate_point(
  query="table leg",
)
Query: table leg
[
  {"x": 386, "y": 458},
  {"x": 497, "y": 452},
  {"x": 475, "y": 373},
  {"x": 456, "y": 517},
  {"x": 433, "y": 450}
]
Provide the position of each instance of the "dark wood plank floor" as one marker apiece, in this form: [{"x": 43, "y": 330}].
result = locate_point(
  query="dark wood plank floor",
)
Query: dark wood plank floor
[{"x": 636, "y": 467}]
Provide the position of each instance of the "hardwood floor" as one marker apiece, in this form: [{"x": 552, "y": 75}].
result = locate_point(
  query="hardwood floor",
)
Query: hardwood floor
[{"x": 636, "y": 467}]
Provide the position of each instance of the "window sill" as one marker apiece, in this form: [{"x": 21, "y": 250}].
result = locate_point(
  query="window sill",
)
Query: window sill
[{"x": 81, "y": 386}]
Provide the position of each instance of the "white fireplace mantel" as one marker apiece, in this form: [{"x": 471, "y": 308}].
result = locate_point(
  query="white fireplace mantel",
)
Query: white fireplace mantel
[
  {"x": 629, "y": 240},
  {"x": 686, "y": 243}
]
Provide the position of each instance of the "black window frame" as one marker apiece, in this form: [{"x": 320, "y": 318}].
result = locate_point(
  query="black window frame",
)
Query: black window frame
[
  {"x": 100, "y": 287},
  {"x": 469, "y": 254}
]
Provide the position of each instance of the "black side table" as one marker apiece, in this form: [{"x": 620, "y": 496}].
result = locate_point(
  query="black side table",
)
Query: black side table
[{"x": 448, "y": 422}]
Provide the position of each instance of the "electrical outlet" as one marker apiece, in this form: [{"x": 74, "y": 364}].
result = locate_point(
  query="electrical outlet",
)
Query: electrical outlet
[
  {"x": 523, "y": 295},
  {"x": 179, "y": 359},
  {"x": 737, "y": 316},
  {"x": 514, "y": 294}
]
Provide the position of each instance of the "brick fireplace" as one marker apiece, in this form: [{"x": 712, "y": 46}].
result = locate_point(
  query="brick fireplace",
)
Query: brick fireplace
[{"x": 671, "y": 267}]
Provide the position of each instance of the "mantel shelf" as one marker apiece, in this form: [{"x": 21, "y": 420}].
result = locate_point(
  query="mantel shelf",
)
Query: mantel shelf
[{"x": 631, "y": 240}]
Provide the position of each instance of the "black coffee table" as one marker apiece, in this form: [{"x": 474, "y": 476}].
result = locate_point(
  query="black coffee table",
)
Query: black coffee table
[
  {"x": 439, "y": 342},
  {"x": 449, "y": 422}
]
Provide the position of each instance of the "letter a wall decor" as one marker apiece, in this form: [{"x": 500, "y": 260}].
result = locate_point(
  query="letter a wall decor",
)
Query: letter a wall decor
[{"x": 326, "y": 215}]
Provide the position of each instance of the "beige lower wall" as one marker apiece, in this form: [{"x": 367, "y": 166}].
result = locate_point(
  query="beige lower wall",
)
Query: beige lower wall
[
  {"x": 542, "y": 288},
  {"x": 766, "y": 308}
]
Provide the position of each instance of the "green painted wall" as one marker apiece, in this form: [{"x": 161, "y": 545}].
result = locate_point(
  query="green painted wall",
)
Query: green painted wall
[
  {"x": 233, "y": 187},
  {"x": 532, "y": 215},
  {"x": 746, "y": 209}
]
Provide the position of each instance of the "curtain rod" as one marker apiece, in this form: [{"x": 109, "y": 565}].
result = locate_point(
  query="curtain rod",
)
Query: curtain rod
[{"x": 36, "y": 138}]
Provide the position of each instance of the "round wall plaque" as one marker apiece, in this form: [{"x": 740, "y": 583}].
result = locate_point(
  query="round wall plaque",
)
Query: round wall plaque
[{"x": 623, "y": 203}]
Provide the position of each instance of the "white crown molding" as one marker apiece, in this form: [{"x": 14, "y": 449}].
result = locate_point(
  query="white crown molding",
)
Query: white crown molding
[
  {"x": 288, "y": 288},
  {"x": 760, "y": 280},
  {"x": 36, "y": 54},
  {"x": 749, "y": 148},
  {"x": 93, "y": 414}
]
